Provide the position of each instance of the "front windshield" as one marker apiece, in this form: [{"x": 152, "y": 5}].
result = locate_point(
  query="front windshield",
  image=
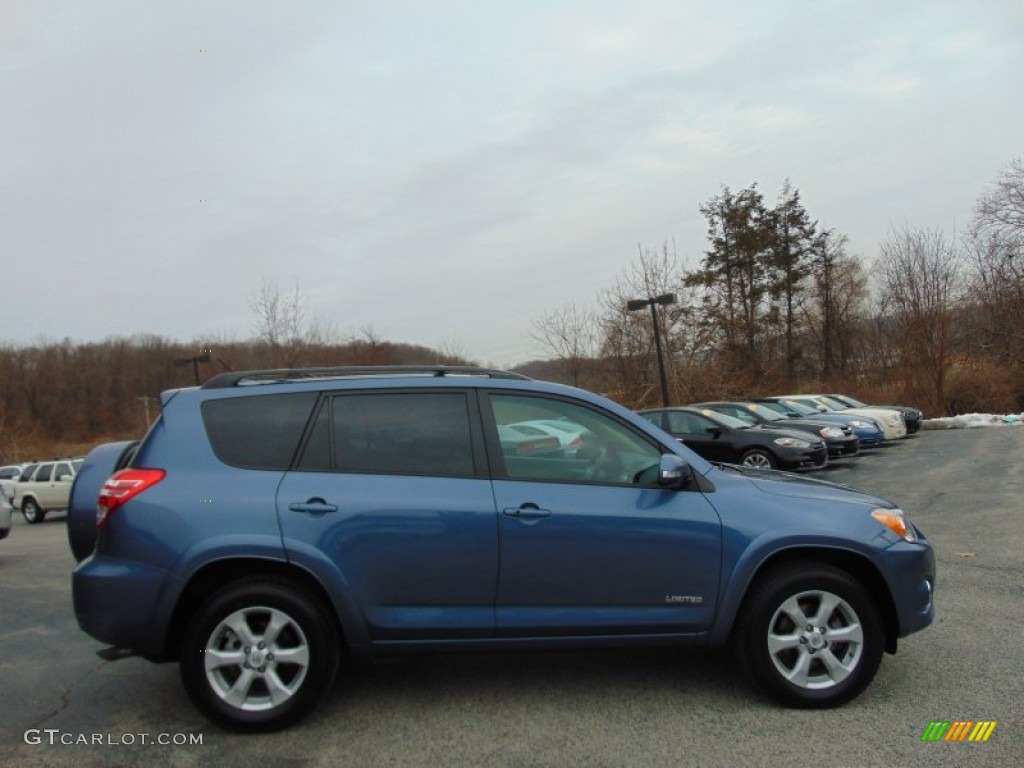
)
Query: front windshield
[
  {"x": 725, "y": 420},
  {"x": 835, "y": 405},
  {"x": 800, "y": 408},
  {"x": 765, "y": 413},
  {"x": 853, "y": 402}
]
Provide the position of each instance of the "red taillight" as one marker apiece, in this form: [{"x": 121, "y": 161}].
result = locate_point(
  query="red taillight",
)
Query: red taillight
[{"x": 122, "y": 486}]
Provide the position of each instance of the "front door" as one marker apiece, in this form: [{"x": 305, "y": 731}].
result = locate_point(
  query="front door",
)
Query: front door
[{"x": 589, "y": 543}]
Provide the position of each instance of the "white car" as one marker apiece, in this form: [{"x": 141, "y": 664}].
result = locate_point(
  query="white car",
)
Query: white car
[
  {"x": 892, "y": 423},
  {"x": 43, "y": 487},
  {"x": 8, "y": 477},
  {"x": 571, "y": 437}
]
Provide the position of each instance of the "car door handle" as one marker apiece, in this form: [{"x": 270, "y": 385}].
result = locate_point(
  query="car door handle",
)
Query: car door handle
[
  {"x": 315, "y": 507},
  {"x": 527, "y": 511}
]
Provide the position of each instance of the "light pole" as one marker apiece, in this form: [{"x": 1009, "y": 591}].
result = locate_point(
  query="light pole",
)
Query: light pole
[
  {"x": 665, "y": 299},
  {"x": 195, "y": 361}
]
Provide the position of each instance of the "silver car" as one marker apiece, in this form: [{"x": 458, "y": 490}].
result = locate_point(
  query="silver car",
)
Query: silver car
[{"x": 5, "y": 516}]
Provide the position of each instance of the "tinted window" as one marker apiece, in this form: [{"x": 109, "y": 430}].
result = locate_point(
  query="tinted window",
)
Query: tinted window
[
  {"x": 63, "y": 470},
  {"x": 408, "y": 433},
  {"x": 26, "y": 473},
  {"x": 608, "y": 451},
  {"x": 685, "y": 422},
  {"x": 45, "y": 473},
  {"x": 259, "y": 432}
]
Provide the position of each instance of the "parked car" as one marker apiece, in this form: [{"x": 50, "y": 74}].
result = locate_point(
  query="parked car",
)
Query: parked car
[
  {"x": 5, "y": 516},
  {"x": 718, "y": 437},
  {"x": 44, "y": 487},
  {"x": 868, "y": 430},
  {"x": 911, "y": 416},
  {"x": 515, "y": 443},
  {"x": 891, "y": 421},
  {"x": 8, "y": 477},
  {"x": 260, "y": 530},
  {"x": 571, "y": 437},
  {"x": 839, "y": 439}
]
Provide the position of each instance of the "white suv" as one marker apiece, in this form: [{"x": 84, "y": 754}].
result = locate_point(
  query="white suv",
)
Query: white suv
[{"x": 45, "y": 486}]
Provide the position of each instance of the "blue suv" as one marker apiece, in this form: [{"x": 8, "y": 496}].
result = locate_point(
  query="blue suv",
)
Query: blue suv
[{"x": 272, "y": 521}]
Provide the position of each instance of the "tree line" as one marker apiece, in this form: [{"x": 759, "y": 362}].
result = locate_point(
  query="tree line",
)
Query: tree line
[
  {"x": 778, "y": 303},
  {"x": 59, "y": 398}
]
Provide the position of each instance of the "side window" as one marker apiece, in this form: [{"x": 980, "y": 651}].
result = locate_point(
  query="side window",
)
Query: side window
[
  {"x": 599, "y": 449},
  {"x": 26, "y": 473},
  {"x": 683, "y": 422},
  {"x": 45, "y": 473},
  {"x": 395, "y": 433},
  {"x": 62, "y": 471},
  {"x": 257, "y": 432}
]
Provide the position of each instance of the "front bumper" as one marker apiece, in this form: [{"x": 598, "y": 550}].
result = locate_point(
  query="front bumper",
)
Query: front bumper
[
  {"x": 910, "y": 570},
  {"x": 803, "y": 458},
  {"x": 843, "y": 447}
]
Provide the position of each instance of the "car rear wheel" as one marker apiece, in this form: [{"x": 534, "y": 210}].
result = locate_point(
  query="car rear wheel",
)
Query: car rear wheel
[
  {"x": 259, "y": 656},
  {"x": 32, "y": 512},
  {"x": 758, "y": 458},
  {"x": 810, "y": 636}
]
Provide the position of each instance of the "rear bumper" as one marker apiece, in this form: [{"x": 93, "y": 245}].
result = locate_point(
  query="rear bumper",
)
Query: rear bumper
[{"x": 118, "y": 602}]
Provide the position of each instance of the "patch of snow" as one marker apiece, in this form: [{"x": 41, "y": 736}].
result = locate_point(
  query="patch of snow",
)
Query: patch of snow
[{"x": 974, "y": 420}]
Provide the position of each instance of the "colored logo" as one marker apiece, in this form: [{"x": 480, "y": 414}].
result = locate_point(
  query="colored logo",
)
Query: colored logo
[{"x": 958, "y": 730}]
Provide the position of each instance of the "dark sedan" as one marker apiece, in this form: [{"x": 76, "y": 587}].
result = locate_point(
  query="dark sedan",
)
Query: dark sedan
[
  {"x": 868, "y": 431},
  {"x": 718, "y": 437},
  {"x": 839, "y": 438}
]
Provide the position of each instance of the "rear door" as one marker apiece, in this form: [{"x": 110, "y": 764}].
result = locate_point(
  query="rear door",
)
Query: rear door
[{"x": 390, "y": 502}]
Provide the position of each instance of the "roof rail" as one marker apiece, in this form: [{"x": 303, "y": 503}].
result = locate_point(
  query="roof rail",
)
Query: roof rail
[{"x": 278, "y": 375}]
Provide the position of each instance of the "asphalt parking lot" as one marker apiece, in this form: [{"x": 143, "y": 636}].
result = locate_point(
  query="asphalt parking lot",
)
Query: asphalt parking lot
[{"x": 663, "y": 707}]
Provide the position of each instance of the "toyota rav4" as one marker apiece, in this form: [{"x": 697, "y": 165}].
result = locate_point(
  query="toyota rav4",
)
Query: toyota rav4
[{"x": 272, "y": 521}]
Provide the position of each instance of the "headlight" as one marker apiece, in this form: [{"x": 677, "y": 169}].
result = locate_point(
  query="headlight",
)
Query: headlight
[
  {"x": 896, "y": 521},
  {"x": 791, "y": 442},
  {"x": 830, "y": 432}
]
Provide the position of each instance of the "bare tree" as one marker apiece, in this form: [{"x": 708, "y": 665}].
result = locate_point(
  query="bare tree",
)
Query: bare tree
[
  {"x": 921, "y": 276},
  {"x": 279, "y": 321},
  {"x": 999, "y": 213},
  {"x": 568, "y": 334},
  {"x": 995, "y": 245}
]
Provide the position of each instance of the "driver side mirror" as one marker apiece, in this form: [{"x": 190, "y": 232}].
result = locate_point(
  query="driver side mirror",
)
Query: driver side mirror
[{"x": 673, "y": 472}]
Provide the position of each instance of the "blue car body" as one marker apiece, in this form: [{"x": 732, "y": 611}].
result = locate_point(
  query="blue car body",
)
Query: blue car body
[{"x": 414, "y": 561}]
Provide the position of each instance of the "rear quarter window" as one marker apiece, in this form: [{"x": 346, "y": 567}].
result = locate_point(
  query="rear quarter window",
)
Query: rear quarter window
[{"x": 259, "y": 432}]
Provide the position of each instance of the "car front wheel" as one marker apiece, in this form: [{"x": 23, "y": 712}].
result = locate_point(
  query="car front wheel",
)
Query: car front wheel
[
  {"x": 259, "y": 656},
  {"x": 32, "y": 512},
  {"x": 810, "y": 636},
  {"x": 758, "y": 458}
]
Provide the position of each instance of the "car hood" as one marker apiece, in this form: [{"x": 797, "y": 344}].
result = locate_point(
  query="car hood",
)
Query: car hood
[
  {"x": 797, "y": 486},
  {"x": 809, "y": 422}
]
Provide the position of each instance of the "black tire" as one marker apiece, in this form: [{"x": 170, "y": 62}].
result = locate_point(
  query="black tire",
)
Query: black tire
[
  {"x": 308, "y": 636},
  {"x": 810, "y": 668},
  {"x": 759, "y": 458},
  {"x": 32, "y": 512}
]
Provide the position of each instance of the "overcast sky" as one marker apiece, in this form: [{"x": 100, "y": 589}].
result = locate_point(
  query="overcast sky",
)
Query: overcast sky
[{"x": 447, "y": 172}]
